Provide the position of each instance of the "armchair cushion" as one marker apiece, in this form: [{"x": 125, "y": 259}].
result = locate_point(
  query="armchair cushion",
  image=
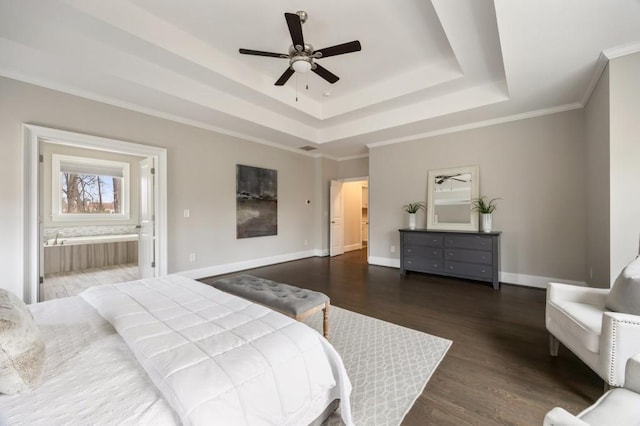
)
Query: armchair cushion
[
  {"x": 576, "y": 322},
  {"x": 616, "y": 408},
  {"x": 625, "y": 293}
]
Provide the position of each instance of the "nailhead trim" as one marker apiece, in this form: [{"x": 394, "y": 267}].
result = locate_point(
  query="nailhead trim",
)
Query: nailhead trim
[{"x": 613, "y": 348}]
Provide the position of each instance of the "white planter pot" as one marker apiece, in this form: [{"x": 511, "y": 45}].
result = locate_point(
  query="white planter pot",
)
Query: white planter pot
[
  {"x": 485, "y": 222},
  {"x": 412, "y": 221}
]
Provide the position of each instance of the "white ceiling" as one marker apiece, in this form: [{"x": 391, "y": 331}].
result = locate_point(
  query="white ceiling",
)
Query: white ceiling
[{"x": 426, "y": 67}]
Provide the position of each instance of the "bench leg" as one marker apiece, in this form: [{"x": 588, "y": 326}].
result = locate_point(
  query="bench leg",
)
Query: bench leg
[{"x": 325, "y": 320}]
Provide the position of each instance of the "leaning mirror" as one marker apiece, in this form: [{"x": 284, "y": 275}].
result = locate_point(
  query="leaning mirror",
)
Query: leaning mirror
[{"x": 450, "y": 192}]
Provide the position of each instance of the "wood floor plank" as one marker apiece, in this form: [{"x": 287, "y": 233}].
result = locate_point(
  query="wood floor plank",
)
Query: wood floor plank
[{"x": 498, "y": 370}]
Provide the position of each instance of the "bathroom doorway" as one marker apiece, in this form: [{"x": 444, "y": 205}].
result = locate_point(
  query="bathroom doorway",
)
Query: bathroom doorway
[
  {"x": 91, "y": 217},
  {"x": 88, "y": 193}
]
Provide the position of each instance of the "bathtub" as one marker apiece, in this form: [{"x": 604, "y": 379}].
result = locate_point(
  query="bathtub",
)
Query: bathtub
[
  {"x": 92, "y": 239},
  {"x": 90, "y": 252}
]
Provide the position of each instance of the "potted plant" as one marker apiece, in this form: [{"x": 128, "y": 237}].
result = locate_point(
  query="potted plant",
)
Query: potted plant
[
  {"x": 412, "y": 209},
  {"x": 485, "y": 208}
]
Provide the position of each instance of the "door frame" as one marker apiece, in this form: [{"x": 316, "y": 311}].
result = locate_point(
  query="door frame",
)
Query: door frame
[
  {"x": 354, "y": 179},
  {"x": 32, "y": 137}
]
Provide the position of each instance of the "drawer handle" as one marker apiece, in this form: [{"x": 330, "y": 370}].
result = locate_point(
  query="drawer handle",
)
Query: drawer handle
[
  {"x": 408, "y": 250},
  {"x": 435, "y": 265},
  {"x": 484, "y": 270},
  {"x": 408, "y": 262},
  {"x": 450, "y": 267},
  {"x": 435, "y": 252},
  {"x": 450, "y": 254}
]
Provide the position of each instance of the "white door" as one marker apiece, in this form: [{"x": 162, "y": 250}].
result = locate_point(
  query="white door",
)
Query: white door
[
  {"x": 146, "y": 240},
  {"x": 336, "y": 209},
  {"x": 40, "y": 295}
]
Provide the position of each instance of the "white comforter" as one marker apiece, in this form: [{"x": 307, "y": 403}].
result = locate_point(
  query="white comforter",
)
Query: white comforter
[{"x": 219, "y": 359}]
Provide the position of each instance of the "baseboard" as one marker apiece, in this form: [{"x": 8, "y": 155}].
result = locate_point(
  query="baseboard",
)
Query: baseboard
[
  {"x": 505, "y": 277},
  {"x": 352, "y": 247},
  {"x": 384, "y": 261},
  {"x": 228, "y": 268},
  {"x": 534, "y": 280},
  {"x": 321, "y": 252}
]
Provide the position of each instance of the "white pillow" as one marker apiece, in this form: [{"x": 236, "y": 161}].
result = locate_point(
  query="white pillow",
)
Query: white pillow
[
  {"x": 21, "y": 347},
  {"x": 625, "y": 294}
]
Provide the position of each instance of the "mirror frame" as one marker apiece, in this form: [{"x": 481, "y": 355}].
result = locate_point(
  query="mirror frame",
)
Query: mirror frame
[{"x": 475, "y": 188}]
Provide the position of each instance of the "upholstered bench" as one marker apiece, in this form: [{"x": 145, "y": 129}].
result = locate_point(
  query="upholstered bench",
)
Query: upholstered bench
[{"x": 292, "y": 301}]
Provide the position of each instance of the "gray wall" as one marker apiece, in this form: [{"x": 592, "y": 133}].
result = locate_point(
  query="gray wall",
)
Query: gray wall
[
  {"x": 536, "y": 165},
  {"x": 597, "y": 181},
  {"x": 624, "y": 86},
  {"x": 551, "y": 172},
  {"x": 355, "y": 168},
  {"x": 201, "y": 177}
]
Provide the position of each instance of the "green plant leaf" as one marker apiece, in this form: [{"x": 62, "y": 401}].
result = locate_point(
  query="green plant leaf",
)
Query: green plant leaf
[
  {"x": 480, "y": 205},
  {"x": 413, "y": 207}
]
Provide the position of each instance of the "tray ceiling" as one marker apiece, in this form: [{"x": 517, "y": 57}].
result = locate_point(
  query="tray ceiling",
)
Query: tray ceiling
[{"x": 425, "y": 68}]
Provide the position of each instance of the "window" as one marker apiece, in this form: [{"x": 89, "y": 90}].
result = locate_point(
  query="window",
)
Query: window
[{"x": 89, "y": 189}]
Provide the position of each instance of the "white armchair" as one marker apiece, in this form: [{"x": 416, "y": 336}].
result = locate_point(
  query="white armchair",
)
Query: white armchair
[
  {"x": 602, "y": 339},
  {"x": 618, "y": 407}
]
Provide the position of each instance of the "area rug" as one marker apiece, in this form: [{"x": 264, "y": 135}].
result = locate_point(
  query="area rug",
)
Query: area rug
[{"x": 388, "y": 365}]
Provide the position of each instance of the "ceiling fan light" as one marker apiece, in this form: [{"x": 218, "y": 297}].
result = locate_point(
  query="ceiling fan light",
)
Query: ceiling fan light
[{"x": 301, "y": 65}]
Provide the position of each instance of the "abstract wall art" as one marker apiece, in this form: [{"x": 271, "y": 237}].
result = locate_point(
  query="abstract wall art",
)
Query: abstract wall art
[{"x": 256, "y": 202}]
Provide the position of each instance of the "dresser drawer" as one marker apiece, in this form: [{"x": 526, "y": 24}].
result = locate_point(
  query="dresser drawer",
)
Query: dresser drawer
[
  {"x": 473, "y": 256},
  {"x": 422, "y": 251},
  {"x": 469, "y": 270},
  {"x": 421, "y": 264},
  {"x": 468, "y": 242},
  {"x": 424, "y": 239},
  {"x": 468, "y": 255}
]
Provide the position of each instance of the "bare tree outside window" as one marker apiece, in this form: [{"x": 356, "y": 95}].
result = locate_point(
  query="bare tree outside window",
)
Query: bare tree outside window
[{"x": 85, "y": 193}]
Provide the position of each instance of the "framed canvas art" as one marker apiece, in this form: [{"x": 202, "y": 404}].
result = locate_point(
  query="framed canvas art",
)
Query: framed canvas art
[{"x": 256, "y": 202}]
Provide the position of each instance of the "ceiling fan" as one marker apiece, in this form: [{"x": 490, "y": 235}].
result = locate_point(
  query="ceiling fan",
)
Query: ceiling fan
[{"x": 302, "y": 56}]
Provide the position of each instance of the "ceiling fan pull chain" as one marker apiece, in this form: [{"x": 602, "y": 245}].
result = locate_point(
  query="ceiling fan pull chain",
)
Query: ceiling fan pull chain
[
  {"x": 307, "y": 75},
  {"x": 296, "y": 87}
]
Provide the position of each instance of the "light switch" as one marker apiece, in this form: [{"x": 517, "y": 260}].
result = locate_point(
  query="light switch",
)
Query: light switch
[{"x": 187, "y": 213}]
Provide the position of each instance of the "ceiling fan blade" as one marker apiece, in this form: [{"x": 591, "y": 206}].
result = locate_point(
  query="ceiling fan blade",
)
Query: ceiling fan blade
[
  {"x": 261, "y": 53},
  {"x": 295, "y": 29},
  {"x": 284, "y": 77},
  {"x": 340, "y": 49},
  {"x": 325, "y": 73}
]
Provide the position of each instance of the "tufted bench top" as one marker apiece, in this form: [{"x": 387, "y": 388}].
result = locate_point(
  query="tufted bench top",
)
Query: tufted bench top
[{"x": 285, "y": 298}]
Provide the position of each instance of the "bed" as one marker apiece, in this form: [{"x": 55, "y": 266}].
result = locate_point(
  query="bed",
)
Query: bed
[{"x": 170, "y": 350}]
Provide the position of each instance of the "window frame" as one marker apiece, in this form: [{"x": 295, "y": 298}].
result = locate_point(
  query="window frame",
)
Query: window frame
[{"x": 56, "y": 190}]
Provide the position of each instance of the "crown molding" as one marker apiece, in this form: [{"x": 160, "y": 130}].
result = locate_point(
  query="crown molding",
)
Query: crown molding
[
  {"x": 354, "y": 157},
  {"x": 601, "y": 65},
  {"x": 602, "y": 62},
  {"x": 480, "y": 124},
  {"x": 69, "y": 90},
  {"x": 624, "y": 50}
]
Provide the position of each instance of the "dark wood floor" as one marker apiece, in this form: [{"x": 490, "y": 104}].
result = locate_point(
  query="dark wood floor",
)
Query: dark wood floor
[{"x": 498, "y": 370}]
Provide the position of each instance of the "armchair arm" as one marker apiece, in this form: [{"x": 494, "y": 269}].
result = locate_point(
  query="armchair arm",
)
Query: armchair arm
[
  {"x": 561, "y": 417},
  {"x": 619, "y": 341},
  {"x": 574, "y": 293},
  {"x": 632, "y": 374}
]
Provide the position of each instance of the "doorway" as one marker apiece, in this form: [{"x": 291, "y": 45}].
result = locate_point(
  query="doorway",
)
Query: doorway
[
  {"x": 349, "y": 221},
  {"x": 38, "y": 216}
]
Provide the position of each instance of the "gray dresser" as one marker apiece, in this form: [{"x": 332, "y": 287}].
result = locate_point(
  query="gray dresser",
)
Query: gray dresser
[{"x": 470, "y": 255}]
